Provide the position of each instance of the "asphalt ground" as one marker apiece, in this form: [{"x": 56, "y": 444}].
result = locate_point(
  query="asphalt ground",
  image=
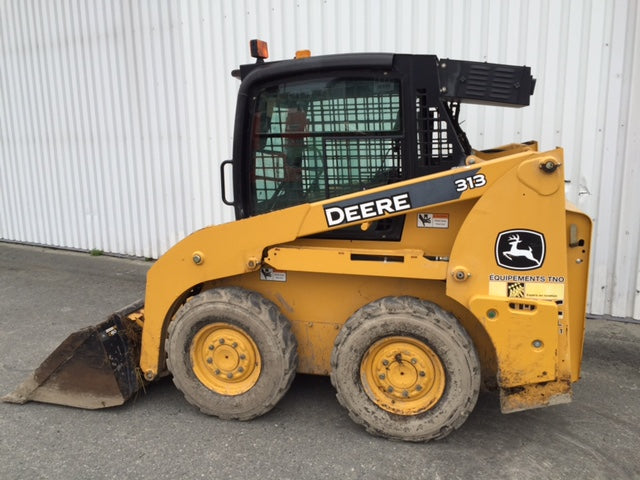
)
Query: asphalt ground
[{"x": 47, "y": 294}]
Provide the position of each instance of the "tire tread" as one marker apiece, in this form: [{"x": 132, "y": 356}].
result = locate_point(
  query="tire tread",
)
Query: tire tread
[
  {"x": 271, "y": 317},
  {"x": 430, "y": 312}
]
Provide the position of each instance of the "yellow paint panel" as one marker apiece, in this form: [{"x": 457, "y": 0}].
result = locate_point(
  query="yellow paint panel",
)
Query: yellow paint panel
[
  {"x": 525, "y": 336},
  {"x": 498, "y": 289},
  {"x": 315, "y": 344}
]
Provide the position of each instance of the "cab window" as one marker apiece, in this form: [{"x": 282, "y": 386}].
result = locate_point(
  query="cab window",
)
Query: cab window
[{"x": 321, "y": 138}]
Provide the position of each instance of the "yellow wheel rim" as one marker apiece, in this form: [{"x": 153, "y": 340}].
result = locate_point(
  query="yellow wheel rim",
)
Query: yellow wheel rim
[
  {"x": 402, "y": 375},
  {"x": 225, "y": 359}
]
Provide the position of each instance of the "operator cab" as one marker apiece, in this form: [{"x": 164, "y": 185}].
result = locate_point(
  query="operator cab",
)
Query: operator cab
[{"x": 314, "y": 128}]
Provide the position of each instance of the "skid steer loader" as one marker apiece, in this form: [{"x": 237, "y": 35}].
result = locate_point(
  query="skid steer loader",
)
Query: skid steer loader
[{"x": 372, "y": 244}]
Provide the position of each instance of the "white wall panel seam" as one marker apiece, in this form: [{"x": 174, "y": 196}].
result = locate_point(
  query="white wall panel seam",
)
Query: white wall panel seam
[
  {"x": 633, "y": 139},
  {"x": 109, "y": 201},
  {"x": 28, "y": 76},
  {"x": 46, "y": 137},
  {"x": 7, "y": 192},
  {"x": 626, "y": 257},
  {"x": 594, "y": 149},
  {"x": 630, "y": 145},
  {"x": 620, "y": 265},
  {"x": 18, "y": 130},
  {"x": 610, "y": 178},
  {"x": 137, "y": 56},
  {"x": 20, "y": 215},
  {"x": 71, "y": 159}
]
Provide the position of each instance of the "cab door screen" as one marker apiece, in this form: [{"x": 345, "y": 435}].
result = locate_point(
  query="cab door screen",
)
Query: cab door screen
[{"x": 319, "y": 139}]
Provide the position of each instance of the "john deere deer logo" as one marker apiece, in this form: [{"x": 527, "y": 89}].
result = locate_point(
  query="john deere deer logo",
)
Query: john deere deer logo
[{"x": 520, "y": 249}]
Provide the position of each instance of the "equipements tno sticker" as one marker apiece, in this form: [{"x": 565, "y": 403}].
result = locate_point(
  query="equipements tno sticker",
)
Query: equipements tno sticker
[{"x": 520, "y": 249}]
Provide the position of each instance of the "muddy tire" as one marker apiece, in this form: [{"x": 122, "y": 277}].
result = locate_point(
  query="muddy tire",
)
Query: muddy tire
[
  {"x": 405, "y": 369},
  {"x": 231, "y": 353}
]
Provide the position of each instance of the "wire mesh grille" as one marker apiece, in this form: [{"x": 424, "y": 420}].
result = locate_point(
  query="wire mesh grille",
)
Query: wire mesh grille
[
  {"x": 434, "y": 145},
  {"x": 319, "y": 139}
]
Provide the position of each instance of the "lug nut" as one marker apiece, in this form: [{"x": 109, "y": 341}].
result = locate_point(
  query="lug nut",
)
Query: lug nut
[
  {"x": 390, "y": 389},
  {"x": 418, "y": 387},
  {"x": 413, "y": 361},
  {"x": 405, "y": 394},
  {"x": 221, "y": 341},
  {"x": 229, "y": 375},
  {"x": 243, "y": 356},
  {"x": 381, "y": 376},
  {"x": 235, "y": 344},
  {"x": 422, "y": 374},
  {"x": 211, "y": 347},
  {"x": 209, "y": 360},
  {"x": 385, "y": 362}
]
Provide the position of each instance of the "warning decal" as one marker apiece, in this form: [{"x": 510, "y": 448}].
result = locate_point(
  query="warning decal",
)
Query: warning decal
[
  {"x": 270, "y": 275},
  {"x": 433, "y": 220}
]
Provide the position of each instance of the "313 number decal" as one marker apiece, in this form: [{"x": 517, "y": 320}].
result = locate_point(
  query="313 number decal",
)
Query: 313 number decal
[{"x": 471, "y": 182}]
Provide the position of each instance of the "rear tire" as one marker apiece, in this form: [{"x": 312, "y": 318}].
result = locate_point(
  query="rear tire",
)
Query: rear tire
[
  {"x": 405, "y": 369},
  {"x": 231, "y": 353}
]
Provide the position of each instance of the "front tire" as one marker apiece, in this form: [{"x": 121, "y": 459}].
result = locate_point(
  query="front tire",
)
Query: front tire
[
  {"x": 405, "y": 369},
  {"x": 232, "y": 353}
]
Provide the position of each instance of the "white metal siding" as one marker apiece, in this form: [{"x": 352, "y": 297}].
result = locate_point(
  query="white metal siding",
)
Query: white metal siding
[{"x": 115, "y": 114}]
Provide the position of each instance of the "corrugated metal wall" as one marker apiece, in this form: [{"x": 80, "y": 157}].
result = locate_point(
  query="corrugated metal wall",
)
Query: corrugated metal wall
[{"x": 115, "y": 114}]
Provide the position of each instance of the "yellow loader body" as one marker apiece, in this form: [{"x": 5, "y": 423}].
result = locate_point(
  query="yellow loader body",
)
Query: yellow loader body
[{"x": 527, "y": 327}]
